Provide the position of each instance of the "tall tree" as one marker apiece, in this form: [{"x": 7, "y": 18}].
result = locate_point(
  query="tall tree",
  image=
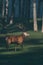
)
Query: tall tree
[
  {"x": 1, "y": 7},
  {"x": 22, "y": 8},
  {"x": 28, "y": 9},
  {"x": 42, "y": 16},
  {"x": 19, "y": 8},
  {"x": 34, "y": 15},
  {"x": 39, "y": 4},
  {"x": 12, "y": 16},
  {"x": 6, "y": 11}
]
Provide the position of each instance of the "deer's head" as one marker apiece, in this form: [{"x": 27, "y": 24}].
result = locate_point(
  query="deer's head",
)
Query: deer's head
[{"x": 26, "y": 34}]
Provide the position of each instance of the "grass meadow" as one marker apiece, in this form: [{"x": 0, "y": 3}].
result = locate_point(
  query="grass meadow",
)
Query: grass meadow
[{"x": 31, "y": 54}]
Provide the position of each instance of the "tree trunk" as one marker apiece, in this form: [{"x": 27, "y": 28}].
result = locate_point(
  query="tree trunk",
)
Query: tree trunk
[
  {"x": 19, "y": 8},
  {"x": 34, "y": 15},
  {"x": 42, "y": 16},
  {"x": 3, "y": 9},
  {"x": 39, "y": 4},
  {"x": 42, "y": 23},
  {"x": 6, "y": 7}
]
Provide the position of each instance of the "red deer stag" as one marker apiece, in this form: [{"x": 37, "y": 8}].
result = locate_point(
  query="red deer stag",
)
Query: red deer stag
[{"x": 18, "y": 39}]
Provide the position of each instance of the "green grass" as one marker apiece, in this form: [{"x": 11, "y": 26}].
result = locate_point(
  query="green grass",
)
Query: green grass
[
  {"x": 38, "y": 34},
  {"x": 31, "y": 54},
  {"x": 19, "y": 50}
]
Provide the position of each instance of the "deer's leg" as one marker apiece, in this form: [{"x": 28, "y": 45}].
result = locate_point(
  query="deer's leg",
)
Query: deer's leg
[
  {"x": 22, "y": 45},
  {"x": 16, "y": 46},
  {"x": 7, "y": 45}
]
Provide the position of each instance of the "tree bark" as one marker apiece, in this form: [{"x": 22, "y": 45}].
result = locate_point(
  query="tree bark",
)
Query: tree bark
[
  {"x": 39, "y": 4},
  {"x": 34, "y": 15},
  {"x": 42, "y": 16}
]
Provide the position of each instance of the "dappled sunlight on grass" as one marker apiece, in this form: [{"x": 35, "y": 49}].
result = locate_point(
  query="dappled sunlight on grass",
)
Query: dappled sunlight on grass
[
  {"x": 30, "y": 54},
  {"x": 32, "y": 34},
  {"x": 19, "y": 50}
]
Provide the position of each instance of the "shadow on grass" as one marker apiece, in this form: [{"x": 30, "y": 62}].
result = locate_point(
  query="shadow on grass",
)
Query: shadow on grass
[
  {"x": 3, "y": 49},
  {"x": 34, "y": 57},
  {"x": 33, "y": 41}
]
